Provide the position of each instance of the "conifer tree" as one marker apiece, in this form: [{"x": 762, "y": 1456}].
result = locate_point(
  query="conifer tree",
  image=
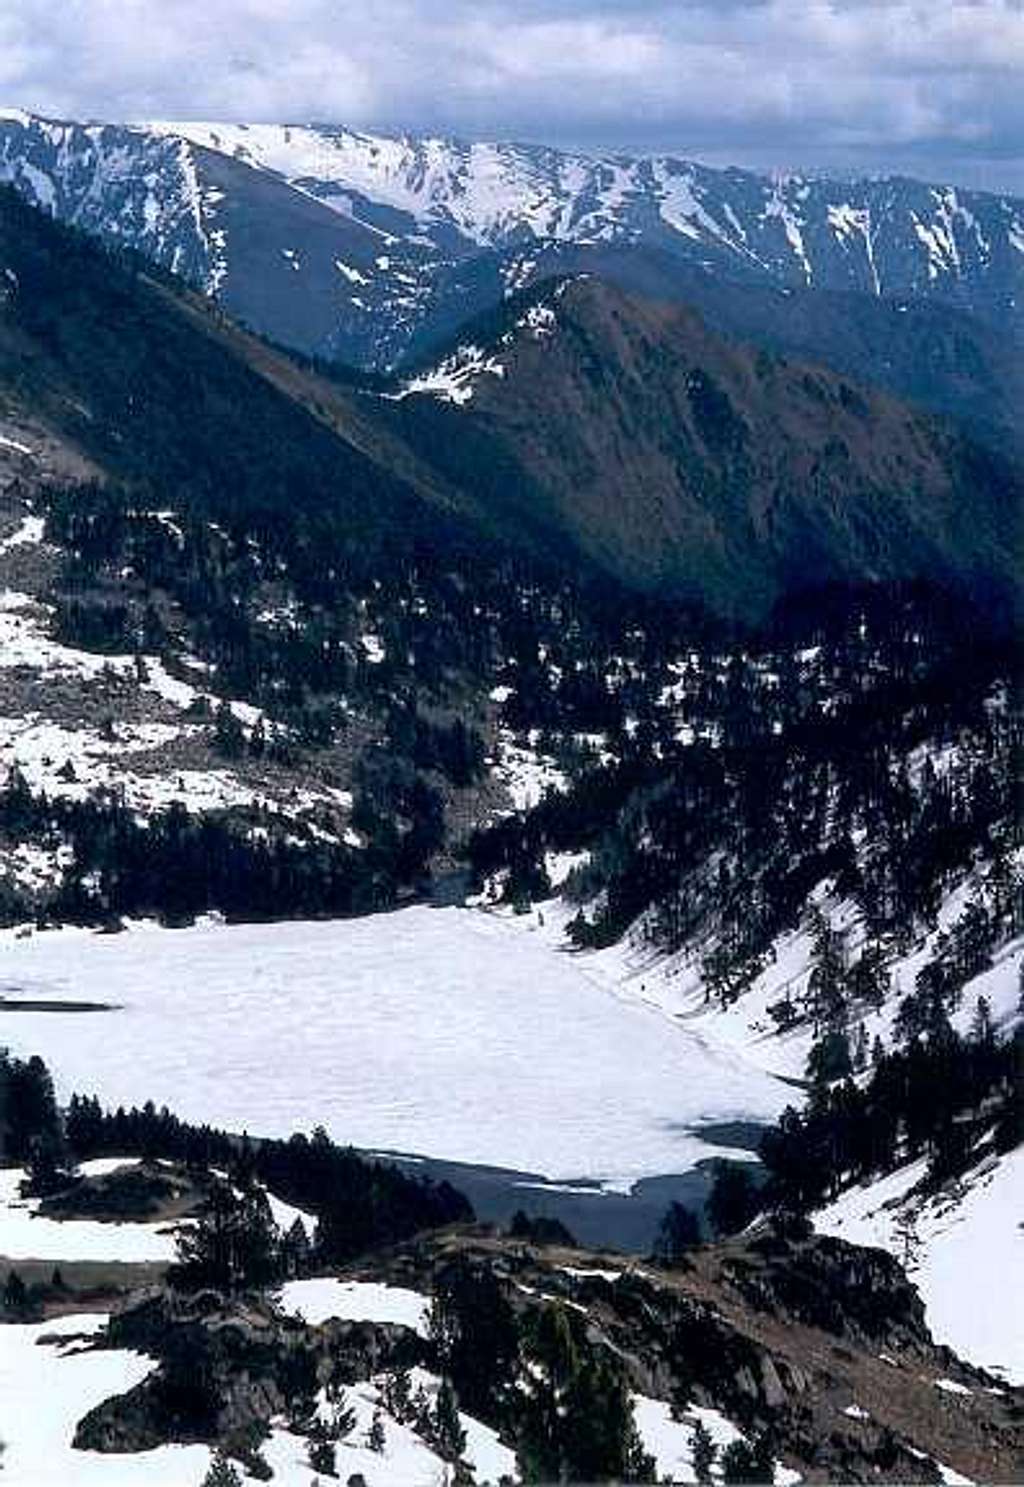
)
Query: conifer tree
[
  {"x": 233, "y": 1245},
  {"x": 750, "y": 1464},
  {"x": 732, "y": 1202},
  {"x": 375, "y": 1437},
  {"x": 703, "y": 1451},
  {"x": 15, "y": 1294},
  {"x": 449, "y": 1435},
  {"x": 678, "y": 1231},
  {"x": 222, "y": 1473}
]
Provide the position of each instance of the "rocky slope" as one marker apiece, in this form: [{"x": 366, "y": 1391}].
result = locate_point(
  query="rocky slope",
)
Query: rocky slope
[{"x": 811, "y": 1345}]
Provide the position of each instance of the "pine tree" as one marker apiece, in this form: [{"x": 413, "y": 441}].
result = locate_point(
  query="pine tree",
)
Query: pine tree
[
  {"x": 473, "y": 1326},
  {"x": 704, "y": 1452},
  {"x": 732, "y": 1202},
  {"x": 228, "y": 734},
  {"x": 343, "y": 1418},
  {"x": 397, "y": 1391},
  {"x": 982, "y": 1032},
  {"x": 752, "y": 1465},
  {"x": 869, "y": 979},
  {"x": 233, "y": 1245},
  {"x": 449, "y": 1435},
  {"x": 323, "y": 1455},
  {"x": 827, "y": 982},
  {"x": 221, "y": 1473},
  {"x": 861, "y": 1048},
  {"x": 375, "y": 1437},
  {"x": 15, "y": 1294},
  {"x": 678, "y": 1231},
  {"x": 295, "y": 1249},
  {"x": 30, "y": 1109},
  {"x": 829, "y": 1058}
]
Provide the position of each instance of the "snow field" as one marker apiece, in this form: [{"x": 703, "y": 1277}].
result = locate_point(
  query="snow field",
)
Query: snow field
[
  {"x": 27, "y": 1235},
  {"x": 406, "y": 1460},
  {"x": 29, "y": 531},
  {"x": 72, "y": 1382},
  {"x": 47, "y": 1361},
  {"x": 670, "y": 1441},
  {"x": 525, "y": 774},
  {"x": 672, "y": 985},
  {"x": 77, "y": 763}
]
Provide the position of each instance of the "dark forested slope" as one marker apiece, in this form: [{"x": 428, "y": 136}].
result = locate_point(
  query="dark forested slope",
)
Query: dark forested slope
[{"x": 685, "y": 463}]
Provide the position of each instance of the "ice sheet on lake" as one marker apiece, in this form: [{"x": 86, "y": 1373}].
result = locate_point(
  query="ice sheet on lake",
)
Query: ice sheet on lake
[{"x": 444, "y": 1032}]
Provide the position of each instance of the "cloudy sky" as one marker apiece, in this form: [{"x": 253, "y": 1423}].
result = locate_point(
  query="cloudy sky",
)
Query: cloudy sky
[{"x": 931, "y": 87}]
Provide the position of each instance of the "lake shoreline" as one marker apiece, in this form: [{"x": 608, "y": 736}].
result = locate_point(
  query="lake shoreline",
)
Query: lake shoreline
[{"x": 597, "y": 1217}]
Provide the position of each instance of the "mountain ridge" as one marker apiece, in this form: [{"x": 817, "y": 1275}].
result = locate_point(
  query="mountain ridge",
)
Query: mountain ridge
[{"x": 358, "y": 246}]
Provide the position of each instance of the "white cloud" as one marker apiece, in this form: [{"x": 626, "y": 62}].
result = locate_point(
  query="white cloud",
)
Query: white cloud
[{"x": 871, "y": 82}]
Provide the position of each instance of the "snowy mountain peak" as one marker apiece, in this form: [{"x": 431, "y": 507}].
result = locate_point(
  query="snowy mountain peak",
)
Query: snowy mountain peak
[{"x": 493, "y": 193}]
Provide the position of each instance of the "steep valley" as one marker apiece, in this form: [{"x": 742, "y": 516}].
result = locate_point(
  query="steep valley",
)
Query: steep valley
[{"x": 573, "y": 751}]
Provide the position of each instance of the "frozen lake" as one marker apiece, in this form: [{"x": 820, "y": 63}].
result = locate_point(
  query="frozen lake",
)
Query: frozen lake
[{"x": 445, "y": 1032}]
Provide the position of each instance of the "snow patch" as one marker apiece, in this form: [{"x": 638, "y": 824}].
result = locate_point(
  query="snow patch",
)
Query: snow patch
[
  {"x": 318, "y": 1301},
  {"x": 964, "y": 1251},
  {"x": 47, "y": 1361},
  {"x": 26, "y": 1235},
  {"x": 452, "y": 380}
]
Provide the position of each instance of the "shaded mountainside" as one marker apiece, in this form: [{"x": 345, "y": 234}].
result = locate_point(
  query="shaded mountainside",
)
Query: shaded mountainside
[
  {"x": 149, "y": 388},
  {"x": 933, "y": 354},
  {"x": 681, "y": 462},
  {"x": 621, "y": 431},
  {"x": 212, "y": 563}
]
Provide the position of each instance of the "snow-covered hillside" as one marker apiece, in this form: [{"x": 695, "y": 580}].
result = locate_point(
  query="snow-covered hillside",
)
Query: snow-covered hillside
[
  {"x": 56, "y": 1361},
  {"x": 26, "y": 1234},
  {"x": 51, "y": 1361},
  {"x": 139, "y": 187},
  {"x": 85, "y": 725},
  {"x": 963, "y": 1248},
  {"x": 674, "y": 985},
  {"x": 361, "y": 245}
]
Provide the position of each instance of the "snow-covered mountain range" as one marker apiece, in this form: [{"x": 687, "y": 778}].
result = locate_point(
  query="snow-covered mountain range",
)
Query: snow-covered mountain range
[{"x": 367, "y": 247}]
